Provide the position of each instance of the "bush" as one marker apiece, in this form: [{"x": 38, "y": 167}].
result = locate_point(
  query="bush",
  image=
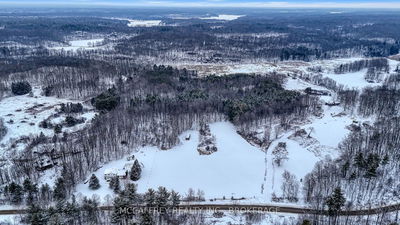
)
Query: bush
[
  {"x": 21, "y": 88},
  {"x": 71, "y": 121},
  {"x": 45, "y": 124},
  {"x": 71, "y": 108},
  {"x": 136, "y": 171},
  {"x": 48, "y": 91},
  {"x": 94, "y": 183},
  {"x": 3, "y": 129},
  {"x": 58, "y": 129}
]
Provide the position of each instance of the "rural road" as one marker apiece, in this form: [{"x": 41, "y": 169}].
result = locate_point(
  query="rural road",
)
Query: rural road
[{"x": 244, "y": 208}]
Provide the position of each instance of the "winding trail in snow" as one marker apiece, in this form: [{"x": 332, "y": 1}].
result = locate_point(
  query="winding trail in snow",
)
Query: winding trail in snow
[{"x": 265, "y": 208}]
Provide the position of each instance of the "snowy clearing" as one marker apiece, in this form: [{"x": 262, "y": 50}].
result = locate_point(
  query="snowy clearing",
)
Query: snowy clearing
[
  {"x": 22, "y": 115},
  {"x": 351, "y": 80},
  {"x": 87, "y": 44},
  {"x": 144, "y": 23},
  {"x": 182, "y": 167},
  {"x": 251, "y": 68},
  {"x": 270, "y": 218},
  {"x": 226, "y": 17}
]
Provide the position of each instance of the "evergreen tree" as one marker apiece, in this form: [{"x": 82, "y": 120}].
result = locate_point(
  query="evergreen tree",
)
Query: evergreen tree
[
  {"x": 114, "y": 184},
  {"x": 345, "y": 168},
  {"x": 57, "y": 128},
  {"x": 36, "y": 216},
  {"x": 72, "y": 212},
  {"x": 55, "y": 215},
  {"x": 16, "y": 193},
  {"x": 359, "y": 160},
  {"x": 371, "y": 172},
  {"x": 353, "y": 176},
  {"x": 385, "y": 160},
  {"x": 130, "y": 193},
  {"x": 27, "y": 185},
  {"x": 90, "y": 209},
  {"x": 136, "y": 171},
  {"x": 146, "y": 218},
  {"x": 45, "y": 192},
  {"x": 107, "y": 100},
  {"x": 306, "y": 222},
  {"x": 60, "y": 192},
  {"x": 21, "y": 88},
  {"x": 162, "y": 197},
  {"x": 30, "y": 189},
  {"x": 175, "y": 199},
  {"x": 118, "y": 215},
  {"x": 150, "y": 198},
  {"x": 372, "y": 165},
  {"x": 335, "y": 202},
  {"x": 94, "y": 183}
]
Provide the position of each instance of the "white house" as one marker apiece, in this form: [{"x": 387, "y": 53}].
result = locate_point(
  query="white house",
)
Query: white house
[
  {"x": 120, "y": 173},
  {"x": 110, "y": 173}
]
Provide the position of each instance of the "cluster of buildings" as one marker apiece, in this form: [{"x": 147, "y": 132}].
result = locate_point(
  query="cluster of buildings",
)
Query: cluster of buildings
[{"x": 120, "y": 173}]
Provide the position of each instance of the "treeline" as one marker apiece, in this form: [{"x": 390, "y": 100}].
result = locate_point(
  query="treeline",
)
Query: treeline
[
  {"x": 252, "y": 38},
  {"x": 365, "y": 171},
  {"x": 191, "y": 44},
  {"x": 48, "y": 205},
  {"x": 380, "y": 101},
  {"x": 377, "y": 64},
  {"x": 68, "y": 77},
  {"x": 281, "y": 37},
  {"x": 37, "y": 30}
]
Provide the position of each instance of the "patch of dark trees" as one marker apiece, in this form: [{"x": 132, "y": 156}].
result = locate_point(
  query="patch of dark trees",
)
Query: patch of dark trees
[
  {"x": 9, "y": 66},
  {"x": 21, "y": 88}
]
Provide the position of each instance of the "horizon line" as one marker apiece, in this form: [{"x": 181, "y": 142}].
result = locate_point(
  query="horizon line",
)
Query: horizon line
[{"x": 207, "y": 4}]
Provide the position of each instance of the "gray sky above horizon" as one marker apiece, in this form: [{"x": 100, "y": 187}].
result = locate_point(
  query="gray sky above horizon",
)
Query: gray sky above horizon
[{"x": 390, "y": 4}]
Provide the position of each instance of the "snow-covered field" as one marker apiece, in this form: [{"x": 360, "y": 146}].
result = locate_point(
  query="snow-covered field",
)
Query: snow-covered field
[
  {"x": 236, "y": 169},
  {"x": 141, "y": 23},
  {"x": 226, "y": 17},
  {"x": 269, "y": 218},
  {"x": 352, "y": 80},
  {"x": 144, "y": 23},
  {"x": 87, "y": 44},
  {"x": 251, "y": 68},
  {"x": 23, "y": 114}
]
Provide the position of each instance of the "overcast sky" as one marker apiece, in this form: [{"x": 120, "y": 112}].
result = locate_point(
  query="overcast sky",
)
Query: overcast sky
[{"x": 210, "y": 3}]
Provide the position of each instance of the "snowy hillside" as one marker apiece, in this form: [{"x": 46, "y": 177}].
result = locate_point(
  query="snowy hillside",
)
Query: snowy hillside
[{"x": 23, "y": 114}]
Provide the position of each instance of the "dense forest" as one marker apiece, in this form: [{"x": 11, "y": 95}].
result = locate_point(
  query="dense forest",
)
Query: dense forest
[
  {"x": 292, "y": 36},
  {"x": 138, "y": 99}
]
